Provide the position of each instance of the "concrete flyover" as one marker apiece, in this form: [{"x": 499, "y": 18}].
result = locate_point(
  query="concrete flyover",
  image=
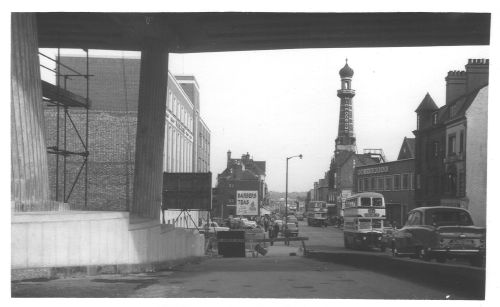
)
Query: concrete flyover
[{"x": 464, "y": 279}]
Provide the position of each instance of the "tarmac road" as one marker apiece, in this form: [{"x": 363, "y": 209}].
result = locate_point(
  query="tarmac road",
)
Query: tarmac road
[
  {"x": 277, "y": 275},
  {"x": 322, "y": 238}
]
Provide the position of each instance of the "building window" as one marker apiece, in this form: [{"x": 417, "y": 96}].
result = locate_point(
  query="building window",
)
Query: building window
[
  {"x": 412, "y": 181},
  {"x": 418, "y": 122},
  {"x": 366, "y": 184},
  {"x": 373, "y": 184},
  {"x": 417, "y": 177},
  {"x": 388, "y": 183},
  {"x": 435, "y": 118},
  {"x": 380, "y": 183},
  {"x": 397, "y": 182},
  {"x": 452, "y": 143},
  {"x": 405, "y": 182},
  {"x": 436, "y": 149},
  {"x": 360, "y": 185},
  {"x": 461, "y": 142}
]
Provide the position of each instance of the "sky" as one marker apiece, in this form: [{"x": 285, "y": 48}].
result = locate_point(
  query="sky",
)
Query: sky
[{"x": 281, "y": 103}]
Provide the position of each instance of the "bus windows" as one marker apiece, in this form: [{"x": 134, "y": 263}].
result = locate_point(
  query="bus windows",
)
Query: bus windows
[
  {"x": 365, "y": 202},
  {"x": 377, "y": 201}
]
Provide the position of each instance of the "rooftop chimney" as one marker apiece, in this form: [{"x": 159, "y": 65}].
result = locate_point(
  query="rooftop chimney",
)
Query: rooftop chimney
[
  {"x": 477, "y": 71},
  {"x": 455, "y": 85}
]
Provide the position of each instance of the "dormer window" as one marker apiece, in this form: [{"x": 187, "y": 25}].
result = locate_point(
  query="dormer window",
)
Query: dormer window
[{"x": 435, "y": 118}]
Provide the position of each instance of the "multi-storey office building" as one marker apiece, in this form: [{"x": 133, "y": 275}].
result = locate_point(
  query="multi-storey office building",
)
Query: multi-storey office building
[{"x": 114, "y": 91}]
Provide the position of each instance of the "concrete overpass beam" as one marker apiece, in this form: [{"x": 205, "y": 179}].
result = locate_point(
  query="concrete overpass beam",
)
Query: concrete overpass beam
[
  {"x": 148, "y": 179},
  {"x": 29, "y": 173}
]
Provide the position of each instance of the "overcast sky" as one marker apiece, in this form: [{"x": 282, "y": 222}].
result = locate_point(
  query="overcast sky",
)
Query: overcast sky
[{"x": 276, "y": 104}]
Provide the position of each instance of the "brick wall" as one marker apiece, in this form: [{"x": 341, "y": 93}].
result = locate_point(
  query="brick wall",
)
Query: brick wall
[{"x": 111, "y": 146}]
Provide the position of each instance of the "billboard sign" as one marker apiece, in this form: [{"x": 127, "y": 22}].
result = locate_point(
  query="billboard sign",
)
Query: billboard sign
[
  {"x": 187, "y": 191},
  {"x": 247, "y": 203}
]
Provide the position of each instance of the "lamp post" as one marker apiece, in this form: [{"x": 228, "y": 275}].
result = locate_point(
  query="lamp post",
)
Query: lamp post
[{"x": 286, "y": 193}]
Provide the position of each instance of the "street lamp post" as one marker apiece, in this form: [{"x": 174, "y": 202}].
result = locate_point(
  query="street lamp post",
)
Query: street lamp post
[{"x": 286, "y": 194}]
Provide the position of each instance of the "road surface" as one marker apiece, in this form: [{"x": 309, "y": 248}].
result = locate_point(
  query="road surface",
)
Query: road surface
[{"x": 277, "y": 275}]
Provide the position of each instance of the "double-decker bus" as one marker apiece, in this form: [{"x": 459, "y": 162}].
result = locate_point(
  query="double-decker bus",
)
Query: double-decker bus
[
  {"x": 364, "y": 220},
  {"x": 316, "y": 213}
]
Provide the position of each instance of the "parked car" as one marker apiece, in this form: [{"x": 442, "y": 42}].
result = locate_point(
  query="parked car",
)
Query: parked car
[
  {"x": 212, "y": 227},
  {"x": 440, "y": 233},
  {"x": 292, "y": 230}
]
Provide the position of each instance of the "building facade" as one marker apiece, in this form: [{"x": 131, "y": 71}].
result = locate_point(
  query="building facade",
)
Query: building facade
[
  {"x": 394, "y": 180},
  {"x": 243, "y": 174},
  {"x": 446, "y": 165},
  {"x": 114, "y": 91}
]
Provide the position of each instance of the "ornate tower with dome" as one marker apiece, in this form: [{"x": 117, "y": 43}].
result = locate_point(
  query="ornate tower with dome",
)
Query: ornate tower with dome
[{"x": 346, "y": 141}]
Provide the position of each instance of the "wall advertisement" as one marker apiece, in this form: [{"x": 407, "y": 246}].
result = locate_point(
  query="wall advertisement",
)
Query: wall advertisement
[{"x": 247, "y": 203}]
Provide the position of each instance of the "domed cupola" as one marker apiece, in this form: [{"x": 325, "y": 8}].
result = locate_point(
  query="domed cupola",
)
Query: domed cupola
[{"x": 346, "y": 71}]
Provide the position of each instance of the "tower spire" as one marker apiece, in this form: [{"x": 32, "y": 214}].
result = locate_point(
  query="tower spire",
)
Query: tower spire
[{"x": 346, "y": 140}]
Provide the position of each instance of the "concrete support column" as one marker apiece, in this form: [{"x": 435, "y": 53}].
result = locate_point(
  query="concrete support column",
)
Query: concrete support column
[
  {"x": 148, "y": 179},
  {"x": 30, "y": 180}
]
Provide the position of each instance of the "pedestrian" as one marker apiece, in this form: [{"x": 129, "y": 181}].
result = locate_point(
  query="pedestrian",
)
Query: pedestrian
[{"x": 276, "y": 229}]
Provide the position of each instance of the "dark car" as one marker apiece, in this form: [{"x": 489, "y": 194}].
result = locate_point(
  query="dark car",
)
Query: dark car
[
  {"x": 440, "y": 233},
  {"x": 291, "y": 230}
]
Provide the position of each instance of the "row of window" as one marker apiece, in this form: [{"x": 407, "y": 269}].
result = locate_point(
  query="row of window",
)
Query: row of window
[
  {"x": 183, "y": 114},
  {"x": 178, "y": 152},
  {"x": 395, "y": 182},
  {"x": 453, "y": 149}
]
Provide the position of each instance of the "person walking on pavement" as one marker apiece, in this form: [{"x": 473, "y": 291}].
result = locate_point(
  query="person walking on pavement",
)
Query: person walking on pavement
[
  {"x": 276, "y": 230},
  {"x": 271, "y": 235}
]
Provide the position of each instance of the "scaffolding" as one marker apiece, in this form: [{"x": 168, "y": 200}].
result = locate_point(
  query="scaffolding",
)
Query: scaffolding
[{"x": 59, "y": 97}]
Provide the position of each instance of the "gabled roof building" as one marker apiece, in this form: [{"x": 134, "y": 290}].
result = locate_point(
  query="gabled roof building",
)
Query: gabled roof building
[
  {"x": 243, "y": 174},
  {"x": 451, "y": 141}
]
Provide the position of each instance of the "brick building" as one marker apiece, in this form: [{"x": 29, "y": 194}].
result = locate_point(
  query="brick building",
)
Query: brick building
[
  {"x": 243, "y": 174},
  {"x": 451, "y": 141},
  {"x": 394, "y": 180},
  {"x": 114, "y": 90}
]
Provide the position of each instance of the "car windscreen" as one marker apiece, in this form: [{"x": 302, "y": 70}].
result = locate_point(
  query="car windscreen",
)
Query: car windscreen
[{"x": 445, "y": 217}]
